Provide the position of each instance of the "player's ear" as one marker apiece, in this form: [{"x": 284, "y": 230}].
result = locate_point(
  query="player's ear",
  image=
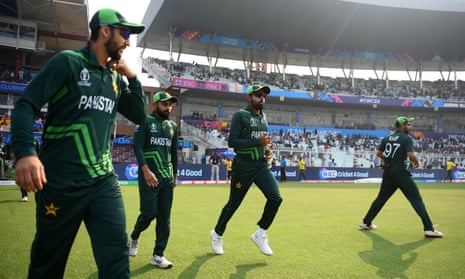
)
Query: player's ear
[{"x": 105, "y": 31}]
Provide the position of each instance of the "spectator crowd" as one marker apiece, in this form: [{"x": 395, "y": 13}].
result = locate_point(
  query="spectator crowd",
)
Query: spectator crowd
[
  {"x": 440, "y": 89},
  {"x": 314, "y": 148}
]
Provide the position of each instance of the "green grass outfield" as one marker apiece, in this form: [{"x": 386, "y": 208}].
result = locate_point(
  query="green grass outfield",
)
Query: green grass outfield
[{"x": 315, "y": 235}]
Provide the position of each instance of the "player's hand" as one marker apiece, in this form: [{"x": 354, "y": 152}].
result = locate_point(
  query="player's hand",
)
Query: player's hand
[
  {"x": 175, "y": 180},
  {"x": 151, "y": 179},
  {"x": 265, "y": 140},
  {"x": 268, "y": 154},
  {"x": 122, "y": 68},
  {"x": 30, "y": 174}
]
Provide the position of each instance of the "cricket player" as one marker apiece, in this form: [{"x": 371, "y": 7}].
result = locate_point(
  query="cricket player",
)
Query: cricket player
[
  {"x": 250, "y": 139},
  {"x": 73, "y": 177}
]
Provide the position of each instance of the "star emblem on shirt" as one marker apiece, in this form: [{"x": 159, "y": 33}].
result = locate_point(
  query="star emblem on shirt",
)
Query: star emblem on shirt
[
  {"x": 51, "y": 209},
  {"x": 238, "y": 185}
]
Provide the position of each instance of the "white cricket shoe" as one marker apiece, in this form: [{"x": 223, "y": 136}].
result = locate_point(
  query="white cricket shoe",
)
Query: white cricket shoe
[
  {"x": 364, "y": 226},
  {"x": 161, "y": 262},
  {"x": 433, "y": 234},
  {"x": 217, "y": 243},
  {"x": 133, "y": 245},
  {"x": 262, "y": 243}
]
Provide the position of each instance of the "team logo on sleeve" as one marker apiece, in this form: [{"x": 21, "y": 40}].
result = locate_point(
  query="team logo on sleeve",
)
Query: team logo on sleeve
[{"x": 85, "y": 77}]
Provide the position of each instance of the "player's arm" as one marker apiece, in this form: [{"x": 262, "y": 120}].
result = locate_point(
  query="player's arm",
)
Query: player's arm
[
  {"x": 149, "y": 177},
  {"x": 410, "y": 152},
  {"x": 138, "y": 146},
  {"x": 132, "y": 101},
  {"x": 174, "y": 155},
  {"x": 413, "y": 159},
  {"x": 30, "y": 172},
  {"x": 139, "y": 139},
  {"x": 50, "y": 80},
  {"x": 380, "y": 154}
]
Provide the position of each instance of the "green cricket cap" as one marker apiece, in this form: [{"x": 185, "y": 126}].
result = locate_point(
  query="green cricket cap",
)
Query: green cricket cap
[
  {"x": 256, "y": 88},
  {"x": 403, "y": 120},
  {"x": 111, "y": 17},
  {"x": 163, "y": 96}
]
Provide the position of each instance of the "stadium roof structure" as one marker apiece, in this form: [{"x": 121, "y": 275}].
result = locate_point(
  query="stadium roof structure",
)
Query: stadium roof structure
[
  {"x": 61, "y": 24},
  {"x": 317, "y": 33}
]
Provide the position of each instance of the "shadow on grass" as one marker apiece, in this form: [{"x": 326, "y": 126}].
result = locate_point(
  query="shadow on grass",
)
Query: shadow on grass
[
  {"x": 192, "y": 270},
  {"x": 141, "y": 270},
  {"x": 11, "y": 201},
  {"x": 93, "y": 275},
  {"x": 242, "y": 270},
  {"x": 391, "y": 259}
]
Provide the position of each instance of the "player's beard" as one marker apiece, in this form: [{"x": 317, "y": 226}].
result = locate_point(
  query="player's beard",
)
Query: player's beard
[
  {"x": 113, "y": 49},
  {"x": 257, "y": 106},
  {"x": 162, "y": 114}
]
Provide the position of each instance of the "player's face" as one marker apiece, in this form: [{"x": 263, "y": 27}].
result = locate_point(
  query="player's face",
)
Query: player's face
[
  {"x": 257, "y": 100},
  {"x": 406, "y": 127},
  {"x": 118, "y": 41},
  {"x": 163, "y": 109}
]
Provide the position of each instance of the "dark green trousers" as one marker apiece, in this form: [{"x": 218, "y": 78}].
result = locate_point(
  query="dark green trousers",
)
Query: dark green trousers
[
  {"x": 61, "y": 208},
  {"x": 394, "y": 179},
  {"x": 244, "y": 173},
  {"x": 155, "y": 203}
]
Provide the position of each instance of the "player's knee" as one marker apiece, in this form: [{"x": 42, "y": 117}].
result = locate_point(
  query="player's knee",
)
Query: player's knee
[
  {"x": 277, "y": 200},
  {"x": 149, "y": 215}
]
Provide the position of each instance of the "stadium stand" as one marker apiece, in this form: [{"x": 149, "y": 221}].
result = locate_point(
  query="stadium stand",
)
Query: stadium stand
[{"x": 302, "y": 123}]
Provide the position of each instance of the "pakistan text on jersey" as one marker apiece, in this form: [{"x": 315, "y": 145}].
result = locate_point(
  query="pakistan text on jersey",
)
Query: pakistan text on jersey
[
  {"x": 160, "y": 141},
  {"x": 258, "y": 134},
  {"x": 97, "y": 103}
]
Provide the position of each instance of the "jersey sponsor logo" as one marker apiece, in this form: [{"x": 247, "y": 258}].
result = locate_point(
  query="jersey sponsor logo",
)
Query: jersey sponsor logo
[
  {"x": 85, "y": 77},
  {"x": 160, "y": 141},
  {"x": 99, "y": 103}
]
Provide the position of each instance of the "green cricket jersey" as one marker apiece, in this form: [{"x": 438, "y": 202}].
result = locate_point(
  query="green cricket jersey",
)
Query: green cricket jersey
[
  {"x": 395, "y": 148},
  {"x": 246, "y": 130},
  {"x": 83, "y": 99},
  {"x": 156, "y": 144}
]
